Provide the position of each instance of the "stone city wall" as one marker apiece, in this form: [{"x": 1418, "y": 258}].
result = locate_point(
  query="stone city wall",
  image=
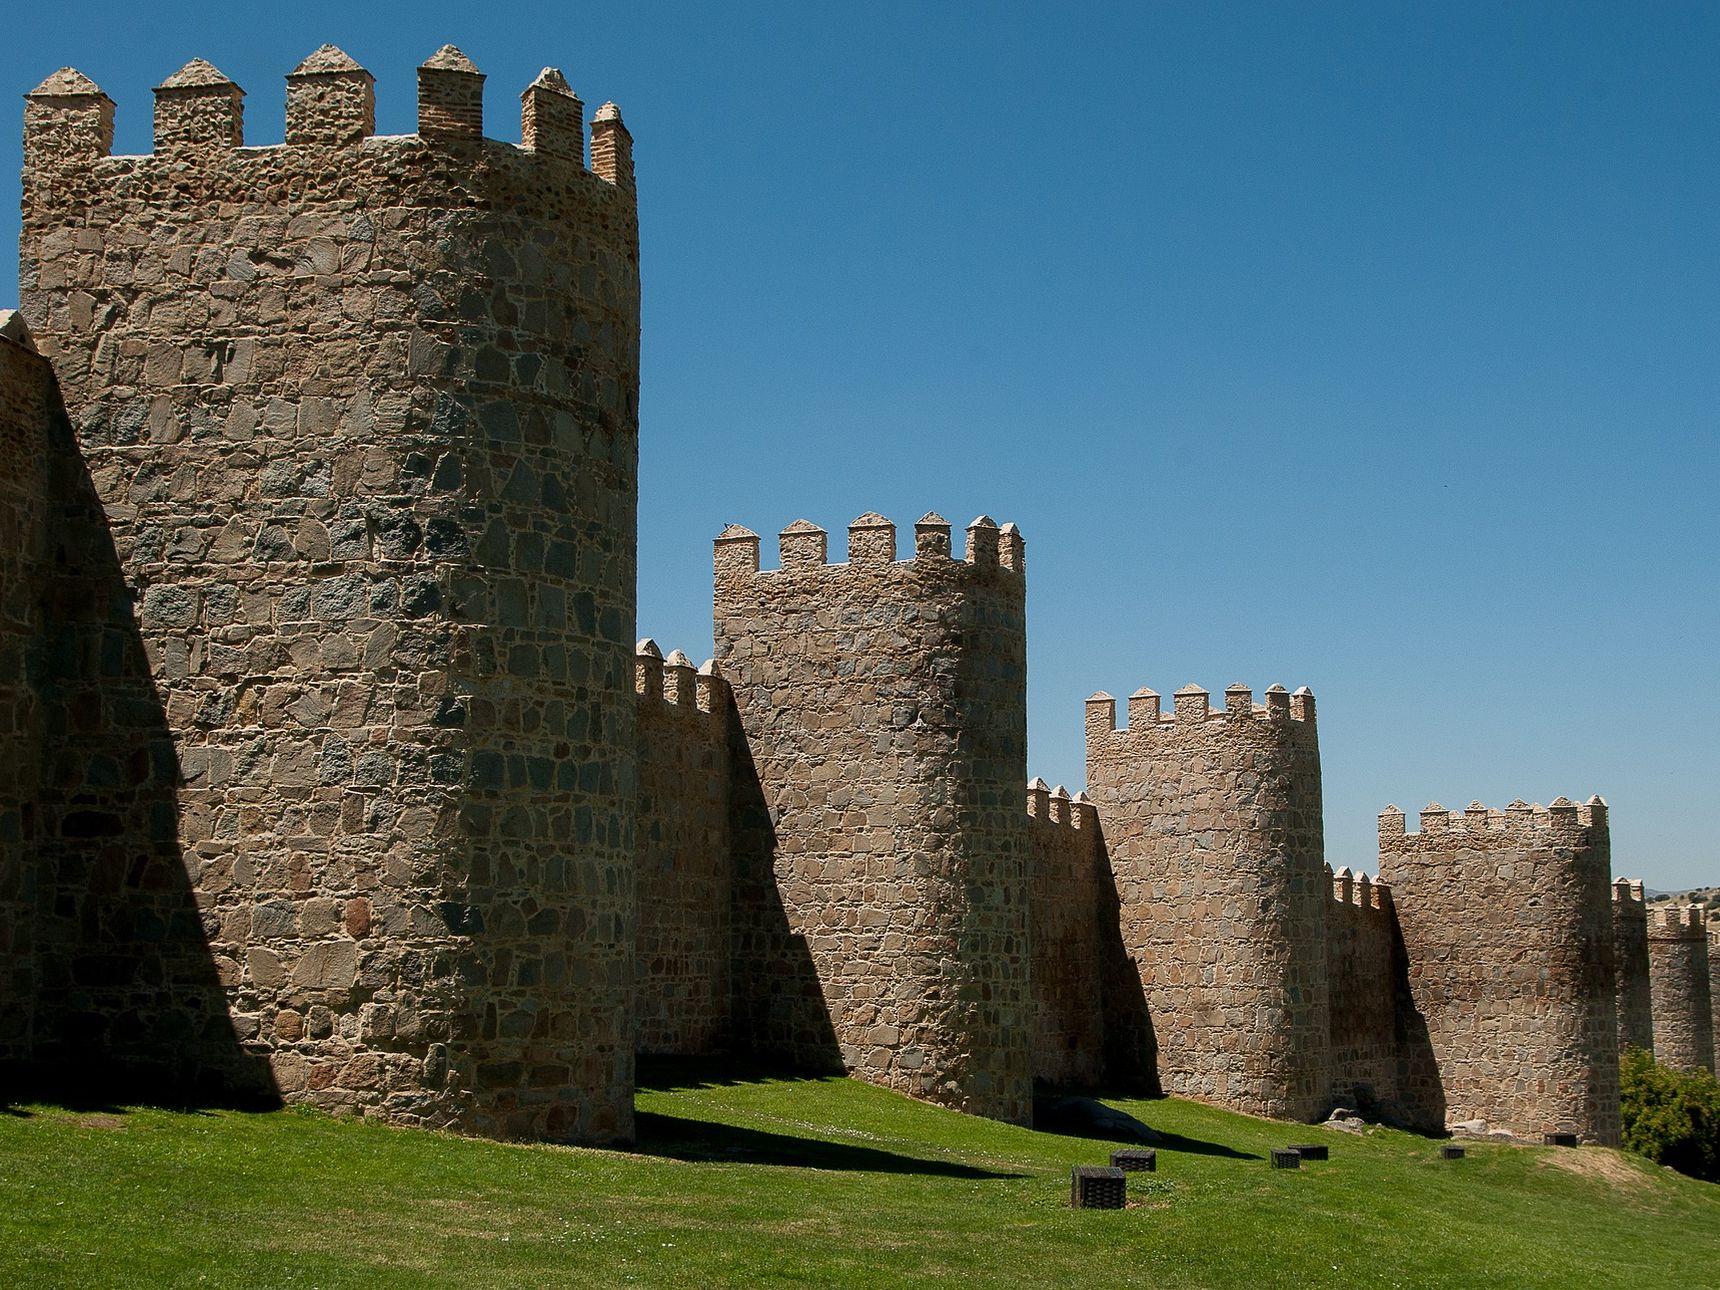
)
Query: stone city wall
[
  {"x": 1635, "y": 1003},
  {"x": 1683, "y": 998},
  {"x": 1361, "y": 973},
  {"x": 686, "y": 873},
  {"x": 882, "y": 850},
  {"x": 1067, "y": 877},
  {"x": 362, "y": 414},
  {"x": 1714, "y": 982},
  {"x": 33, "y": 432},
  {"x": 1214, "y": 825},
  {"x": 1506, "y": 922}
]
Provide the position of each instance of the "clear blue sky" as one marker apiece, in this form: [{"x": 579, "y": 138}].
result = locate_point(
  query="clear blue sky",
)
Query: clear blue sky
[{"x": 1365, "y": 346}]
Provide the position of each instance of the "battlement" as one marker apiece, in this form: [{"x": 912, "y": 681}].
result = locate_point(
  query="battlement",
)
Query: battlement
[
  {"x": 1055, "y": 806},
  {"x": 1357, "y": 890},
  {"x": 675, "y": 681},
  {"x": 1561, "y": 815},
  {"x": 1627, "y": 891},
  {"x": 330, "y": 104},
  {"x": 803, "y": 546},
  {"x": 1677, "y": 923},
  {"x": 1191, "y": 704}
]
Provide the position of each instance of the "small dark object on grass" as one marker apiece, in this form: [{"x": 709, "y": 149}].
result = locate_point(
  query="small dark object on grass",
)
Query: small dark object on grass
[
  {"x": 1311, "y": 1150},
  {"x": 1097, "y": 1187},
  {"x": 1286, "y": 1158},
  {"x": 1135, "y": 1161},
  {"x": 1450, "y": 1151},
  {"x": 1559, "y": 1139}
]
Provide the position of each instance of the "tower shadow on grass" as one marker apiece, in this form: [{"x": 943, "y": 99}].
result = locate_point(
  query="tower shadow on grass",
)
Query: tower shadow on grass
[
  {"x": 1085, "y": 1117},
  {"x": 706, "y": 1141}
]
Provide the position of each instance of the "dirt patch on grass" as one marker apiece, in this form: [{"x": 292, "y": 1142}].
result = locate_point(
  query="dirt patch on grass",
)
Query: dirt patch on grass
[
  {"x": 1611, "y": 1167},
  {"x": 100, "y": 1122}
]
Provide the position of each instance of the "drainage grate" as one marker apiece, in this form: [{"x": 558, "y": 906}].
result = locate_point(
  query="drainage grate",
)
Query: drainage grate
[
  {"x": 1559, "y": 1139},
  {"x": 1135, "y": 1161},
  {"x": 1286, "y": 1158},
  {"x": 1311, "y": 1150},
  {"x": 1450, "y": 1151}
]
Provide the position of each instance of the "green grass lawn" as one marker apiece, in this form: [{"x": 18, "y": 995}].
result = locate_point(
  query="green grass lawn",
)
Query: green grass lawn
[{"x": 754, "y": 1181}]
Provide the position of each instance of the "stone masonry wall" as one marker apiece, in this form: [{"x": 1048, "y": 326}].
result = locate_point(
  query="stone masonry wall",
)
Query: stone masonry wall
[
  {"x": 362, "y": 414},
  {"x": 1714, "y": 982},
  {"x": 1067, "y": 873},
  {"x": 1683, "y": 998},
  {"x": 1361, "y": 976},
  {"x": 686, "y": 875},
  {"x": 31, "y": 423},
  {"x": 1630, "y": 964},
  {"x": 882, "y": 851},
  {"x": 1214, "y": 825},
  {"x": 1506, "y": 921}
]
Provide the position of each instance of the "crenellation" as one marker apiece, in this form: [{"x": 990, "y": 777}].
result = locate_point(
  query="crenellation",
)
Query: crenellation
[
  {"x": 802, "y": 545},
  {"x": 982, "y": 539},
  {"x": 331, "y": 100},
  {"x": 1060, "y": 806},
  {"x": 450, "y": 97},
  {"x": 198, "y": 110},
  {"x": 611, "y": 148},
  {"x": 871, "y": 540},
  {"x": 678, "y": 680},
  {"x": 552, "y": 119},
  {"x": 67, "y": 120},
  {"x": 648, "y": 669},
  {"x": 931, "y": 537},
  {"x": 1239, "y": 701}
]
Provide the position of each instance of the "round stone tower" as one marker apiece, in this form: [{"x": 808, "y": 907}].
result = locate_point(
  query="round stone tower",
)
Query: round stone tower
[
  {"x": 1511, "y": 1014},
  {"x": 362, "y": 414},
  {"x": 1682, "y": 992},
  {"x": 1214, "y": 828},
  {"x": 881, "y": 846}
]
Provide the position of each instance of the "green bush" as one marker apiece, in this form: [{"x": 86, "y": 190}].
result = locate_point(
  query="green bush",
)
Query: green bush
[{"x": 1670, "y": 1116}]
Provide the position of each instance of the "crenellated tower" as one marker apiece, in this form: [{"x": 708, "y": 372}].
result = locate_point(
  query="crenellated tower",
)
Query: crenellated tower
[
  {"x": 362, "y": 415},
  {"x": 881, "y": 846},
  {"x": 1511, "y": 1011},
  {"x": 1682, "y": 992},
  {"x": 1214, "y": 828}
]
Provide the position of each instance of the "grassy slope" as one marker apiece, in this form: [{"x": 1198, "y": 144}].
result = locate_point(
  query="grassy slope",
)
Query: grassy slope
[{"x": 817, "y": 1182}]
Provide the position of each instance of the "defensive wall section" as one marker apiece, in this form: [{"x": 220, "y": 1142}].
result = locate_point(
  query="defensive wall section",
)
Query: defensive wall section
[
  {"x": 362, "y": 416},
  {"x": 1506, "y": 922},
  {"x": 1714, "y": 983},
  {"x": 1682, "y": 994},
  {"x": 881, "y": 844},
  {"x": 1362, "y": 968},
  {"x": 330, "y": 770},
  {"x": 1635, "y": 1004},
  {"x": 686, "y": 874},
  {"x": 1213, "y": 820},
  {"x": 1068, "y": 886}
]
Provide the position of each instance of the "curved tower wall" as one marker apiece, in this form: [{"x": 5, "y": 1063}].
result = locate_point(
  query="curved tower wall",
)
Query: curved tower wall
[
  {"x": 1506, "y": 919},
  {"x": 1683, "y": 998},
  {"x": 1214, "y": 827},
  {"x": 1630, "y": 963},
  {"x": 362, "y": 414},
  {"x": 881, "y": 846}
]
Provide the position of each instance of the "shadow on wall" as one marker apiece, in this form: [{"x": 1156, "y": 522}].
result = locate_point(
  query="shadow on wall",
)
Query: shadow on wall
[
  {"x": 1131, "y": 1047},
  {"x": 128, "y": 1004},
  {"x": 1421, "y": 1092},
  {"x": 779, "y": 1010}
]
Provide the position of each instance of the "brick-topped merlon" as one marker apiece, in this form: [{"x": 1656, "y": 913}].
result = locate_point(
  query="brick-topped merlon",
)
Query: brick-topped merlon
[
  {"x": 611, "y": 148},
  {"x": 450, "y": 97},
  {"x": 552, "y": 119}
]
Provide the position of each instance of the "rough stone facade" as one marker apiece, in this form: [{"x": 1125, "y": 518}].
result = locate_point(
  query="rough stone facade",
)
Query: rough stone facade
[
  {"x": 1214, "y": 826},
  {"x": 1506, "y": 920},
  {"x": 1361, "y": 971},
  {"x": 1683, "y": 999},
  {"x": 882, "y": 853},
  {"x": 1630, "y": 960},
  {"x": 1068, "y": 877},
  {"x": 362, "y": 416},
  {"x": 1714, "y": 983},
  {"x": 328, "y": 770},
  {"x": 686, "y": 880}
]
